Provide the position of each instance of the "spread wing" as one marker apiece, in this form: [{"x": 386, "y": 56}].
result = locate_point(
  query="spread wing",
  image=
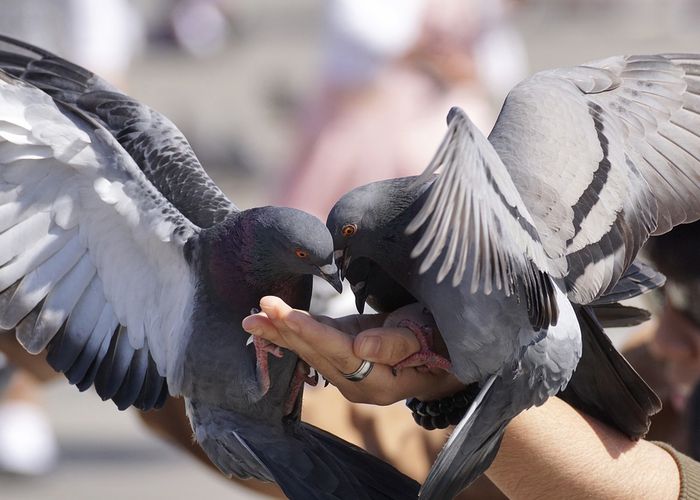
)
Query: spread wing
[
  {"x": 92, "y": 256},
  {"x": 604, "y": 155},
  {"x": 159, "y": 149},
  {"x": 475, "y": 219}
]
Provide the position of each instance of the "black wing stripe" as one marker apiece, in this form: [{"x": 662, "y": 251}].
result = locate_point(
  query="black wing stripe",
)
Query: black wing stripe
[{"x": 591, "y": 195}]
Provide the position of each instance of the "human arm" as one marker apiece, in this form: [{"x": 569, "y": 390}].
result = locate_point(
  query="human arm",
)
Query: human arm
[
  {"x": 553, "y": 449},
  {"x": 547, "y": 452}
]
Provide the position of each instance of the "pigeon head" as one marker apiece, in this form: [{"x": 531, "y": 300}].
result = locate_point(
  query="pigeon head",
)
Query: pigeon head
[
  {"x": 267, "y": 245},
  {"x": 370, "y": 219},
  {"x": 297, "y": 242}
]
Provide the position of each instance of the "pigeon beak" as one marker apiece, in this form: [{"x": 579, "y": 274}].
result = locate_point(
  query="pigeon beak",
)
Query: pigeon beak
[
  {"x": 330, "y": 273},
  {"x": 339, "y": 259},
  {"x": 360, "y": 291}
]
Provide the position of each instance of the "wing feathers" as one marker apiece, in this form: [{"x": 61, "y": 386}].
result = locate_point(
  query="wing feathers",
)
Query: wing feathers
[
  {"x": 73, "y": 205},
  {"x": 64, "y": 349},
  {"x": 475, "y": 221},
  {"x": 114, "y": 368},
  {"x": 96, "y": 346},
  {"x": 23, "y": 235},
  {"x": 61, "y": 301},
  {"x": 36, "y": 285},
  {"x": 647, "y": 122},
  {"x": 131, "y": 387}
]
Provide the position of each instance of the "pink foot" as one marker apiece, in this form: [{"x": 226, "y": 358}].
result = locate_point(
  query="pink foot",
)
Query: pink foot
[
  {"x": 295, "y": 386},
  {"x": 425, "y": 357},
  {"x": 262, "y": 349},
  {"x": 301, "y": 376}
]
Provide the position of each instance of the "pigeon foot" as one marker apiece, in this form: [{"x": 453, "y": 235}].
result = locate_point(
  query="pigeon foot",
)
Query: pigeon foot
[
  {"x": 426, "y": 357},
  {"x": 304, "y": 374},
  {"x": 263, "y": 348}
]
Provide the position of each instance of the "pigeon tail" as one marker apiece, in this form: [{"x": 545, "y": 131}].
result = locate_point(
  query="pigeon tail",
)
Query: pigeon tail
[
  {"x": 473, "y": 444},
  {"x": 306, "y": 462},
  {"x": 605, "y": 386}
]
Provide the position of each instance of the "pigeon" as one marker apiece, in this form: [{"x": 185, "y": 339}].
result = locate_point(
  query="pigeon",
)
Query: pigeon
[
  {"x": 123, "y": 259},
  {"x": 521, "y": 236}
]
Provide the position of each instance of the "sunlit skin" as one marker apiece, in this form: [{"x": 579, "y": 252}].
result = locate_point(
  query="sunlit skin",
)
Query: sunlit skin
[
  {"x": 337, "y": 346},
  {"x": 531, "y": 463}
]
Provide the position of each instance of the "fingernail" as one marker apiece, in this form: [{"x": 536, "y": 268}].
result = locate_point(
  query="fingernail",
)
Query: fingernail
[{"x": 369, "y": 347}]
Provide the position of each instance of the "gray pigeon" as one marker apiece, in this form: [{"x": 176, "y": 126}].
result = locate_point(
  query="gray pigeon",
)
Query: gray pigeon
[
  {"x": 522, "y": 233},
  {"x": 122, "y": 258}
]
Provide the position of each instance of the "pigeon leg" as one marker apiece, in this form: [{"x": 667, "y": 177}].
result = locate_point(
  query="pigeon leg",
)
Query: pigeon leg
[
  {"x": 298, "y": 380},
  {"x": 262, "y": 349},
  {"x": 426, "y": 356}
]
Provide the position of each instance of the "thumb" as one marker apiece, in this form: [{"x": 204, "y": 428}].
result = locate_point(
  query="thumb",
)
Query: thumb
[{"x": 388, "y": 346}]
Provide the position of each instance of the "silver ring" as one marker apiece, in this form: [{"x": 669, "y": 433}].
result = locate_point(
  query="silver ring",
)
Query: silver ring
[{"x": 361, "y": 373}]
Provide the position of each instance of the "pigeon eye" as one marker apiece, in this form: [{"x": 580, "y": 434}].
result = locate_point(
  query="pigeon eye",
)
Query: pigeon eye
[
  {"x": 302, "y": 254},
  {"x": 348, "y": 230}
]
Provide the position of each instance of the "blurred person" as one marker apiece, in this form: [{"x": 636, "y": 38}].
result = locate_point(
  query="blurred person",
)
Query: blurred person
[{"x": 390, "y": 71}]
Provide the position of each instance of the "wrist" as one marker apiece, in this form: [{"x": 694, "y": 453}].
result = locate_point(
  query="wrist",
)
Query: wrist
[{"x": 443, "y": 412}]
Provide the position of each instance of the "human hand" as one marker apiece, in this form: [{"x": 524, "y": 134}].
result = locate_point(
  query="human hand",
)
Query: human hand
[{"x": 338, "y": 346}]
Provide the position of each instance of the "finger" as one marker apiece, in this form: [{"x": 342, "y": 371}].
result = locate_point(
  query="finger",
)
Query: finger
[
  {"x": 279, "y": 333},
  {"x": 327, "y": 350},
  {"x": 310, "y": 338},
  {"x": 260, "y": 325},
  {"x": 382, "y": 387},
  {"x": 388, "y": 346}
]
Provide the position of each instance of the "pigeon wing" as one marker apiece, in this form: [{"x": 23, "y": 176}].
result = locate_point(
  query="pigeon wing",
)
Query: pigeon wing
[
  {"x": 475, "y": 220},
  {"x": 92, "y": 257},
  {"x": 159, "y": 149},
  {"x": 604, "y": 155}
]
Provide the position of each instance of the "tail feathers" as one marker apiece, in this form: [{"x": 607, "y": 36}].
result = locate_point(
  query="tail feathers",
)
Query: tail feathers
[
  {"x": 380, "y": 479},
  {"x": 637, "y": 279},
  {"x": 616, "y": 315},
  {"x": 307, "y": 463},
  {"x": 472, "y": 446},
  {"x": 605, "y": 385}
]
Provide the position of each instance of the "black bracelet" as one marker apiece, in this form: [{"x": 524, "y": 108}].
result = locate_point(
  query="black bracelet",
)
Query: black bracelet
[{"x": 441, "y": 413}]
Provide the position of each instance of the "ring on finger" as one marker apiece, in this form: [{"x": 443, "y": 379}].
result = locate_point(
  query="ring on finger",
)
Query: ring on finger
[{"x": 361, "y": 373}]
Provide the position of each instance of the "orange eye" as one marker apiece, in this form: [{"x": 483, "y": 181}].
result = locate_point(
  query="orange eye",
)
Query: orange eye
[
  {"x": 302, "y": 254},
  {"x": 348, "y": 230}
]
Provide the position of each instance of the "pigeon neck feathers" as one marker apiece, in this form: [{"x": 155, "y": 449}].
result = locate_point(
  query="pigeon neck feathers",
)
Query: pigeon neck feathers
[
  {"x": 381, "y": 211},
  {"x": 263, "y": 251}
]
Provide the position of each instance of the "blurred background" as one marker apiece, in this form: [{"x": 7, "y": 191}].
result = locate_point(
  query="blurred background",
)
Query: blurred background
[{"x": 288, "y": 102}]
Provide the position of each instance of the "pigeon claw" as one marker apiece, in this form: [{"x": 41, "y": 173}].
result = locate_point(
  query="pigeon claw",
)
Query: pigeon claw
[
  {"x": 315, "y": 378},
  {"x": 426, "y": 357},
  {"x": 303, "y": 374}
]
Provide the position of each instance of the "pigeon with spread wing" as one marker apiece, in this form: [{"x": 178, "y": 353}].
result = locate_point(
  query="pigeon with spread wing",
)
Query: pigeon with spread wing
[
  {"x": 521, "y": 236},
  {"x": 122, "y": 258}
]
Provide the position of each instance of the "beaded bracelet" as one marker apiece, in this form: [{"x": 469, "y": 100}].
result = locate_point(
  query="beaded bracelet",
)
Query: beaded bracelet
[{"x": 441, "y": 413}]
